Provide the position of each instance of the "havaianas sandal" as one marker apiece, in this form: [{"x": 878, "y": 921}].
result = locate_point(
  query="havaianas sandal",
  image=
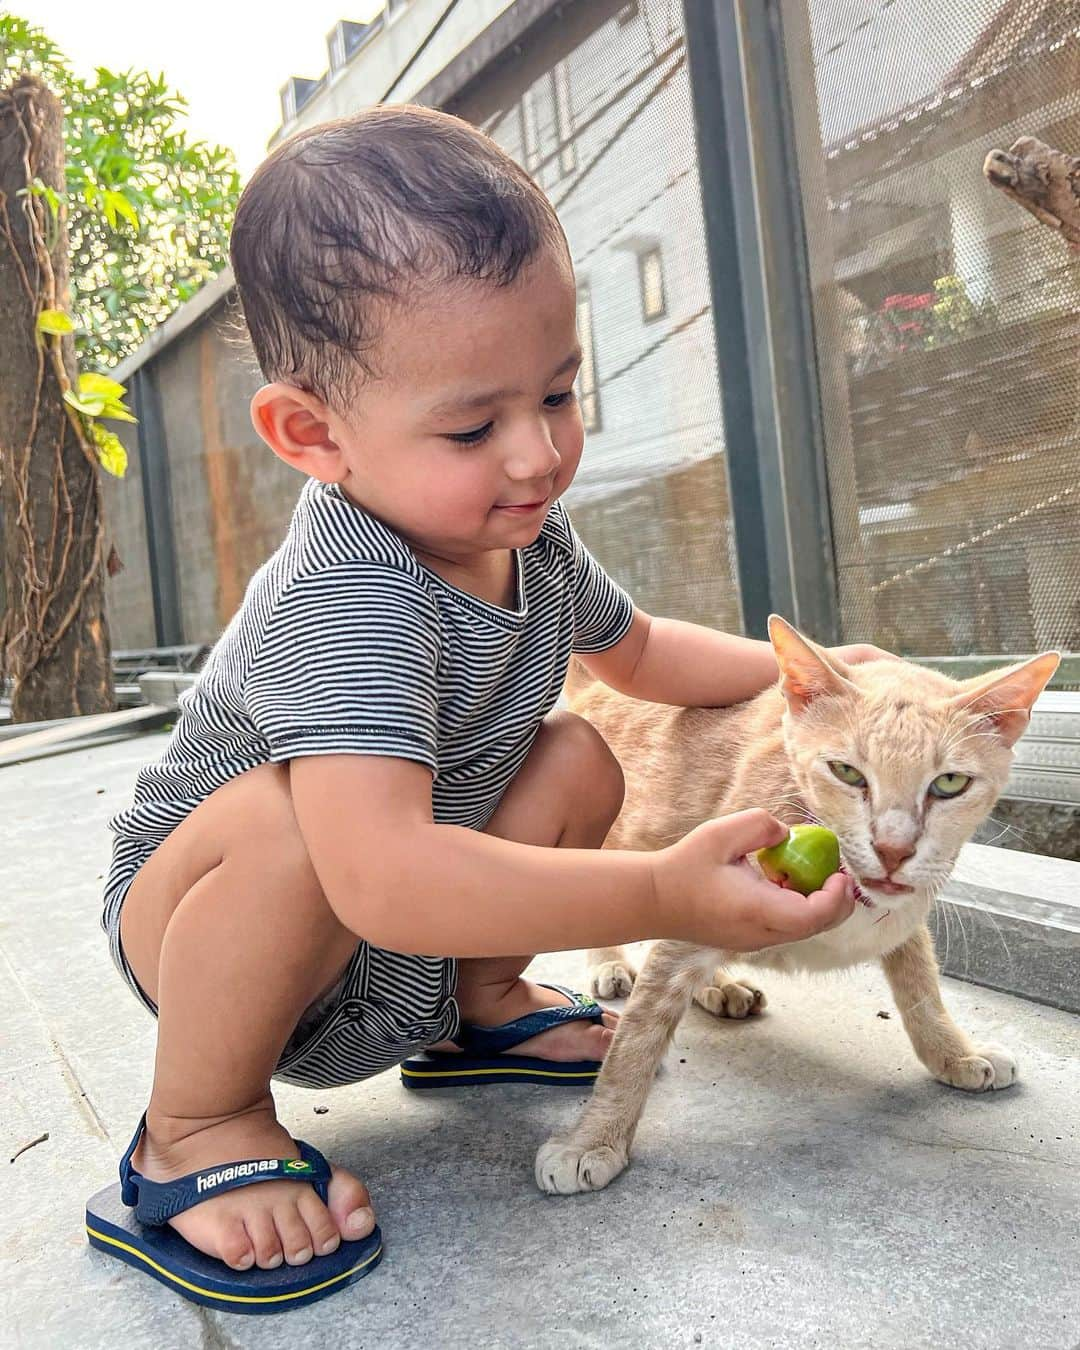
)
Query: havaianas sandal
[
  {"x": 482, "y": 1061},
  {"x": 129, "y": 1221}
]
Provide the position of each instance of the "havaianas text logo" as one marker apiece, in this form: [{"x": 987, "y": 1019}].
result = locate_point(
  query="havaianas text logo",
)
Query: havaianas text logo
[{"x": 209, "y": 1180}]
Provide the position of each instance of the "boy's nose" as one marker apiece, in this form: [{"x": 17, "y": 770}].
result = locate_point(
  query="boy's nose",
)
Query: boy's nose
[{"x": 533, "y": 458}]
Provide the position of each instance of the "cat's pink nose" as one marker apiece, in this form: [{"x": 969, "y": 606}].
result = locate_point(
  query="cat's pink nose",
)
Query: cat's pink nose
[{"x": 892, "y": 855}]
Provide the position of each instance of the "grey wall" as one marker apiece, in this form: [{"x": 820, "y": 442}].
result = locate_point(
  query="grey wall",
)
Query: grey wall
[{"x": 231, "y": 497}]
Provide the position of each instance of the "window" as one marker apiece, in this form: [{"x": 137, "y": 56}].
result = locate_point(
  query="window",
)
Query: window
[
  {"x": 564, "y": 117},
  {"x": 530, "y": 132},
  {"x": 651, "y": 276},
  {"x": 588, "y": 392}
]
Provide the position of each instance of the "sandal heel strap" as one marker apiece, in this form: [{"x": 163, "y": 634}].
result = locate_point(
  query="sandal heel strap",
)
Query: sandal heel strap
[{"x": 156, "y": 1202}]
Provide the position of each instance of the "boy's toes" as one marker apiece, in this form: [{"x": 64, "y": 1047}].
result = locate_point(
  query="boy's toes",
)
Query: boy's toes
[
  {"x": 265, "y": 1240},
  {"x": 350, "y": 1206},
  {"x": 294, "y": 1235},
  {"x": 234, "y": 1246},
  {"x": 600, "y": 1039},
  {"x": 325, "y": 1237}
]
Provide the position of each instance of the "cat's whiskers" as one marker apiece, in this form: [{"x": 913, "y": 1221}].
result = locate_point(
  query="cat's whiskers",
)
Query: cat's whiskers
[
  {"x": 795, "y": 805},
  {"x": 949, "y": 914},
  {"x": 989, "y": 915},
  {"x": 1000, "y": 835},
  {"x": 977, "y": 731},
  {"x": 1008, "y": 829},
  {"x": 943, "y": 911}
]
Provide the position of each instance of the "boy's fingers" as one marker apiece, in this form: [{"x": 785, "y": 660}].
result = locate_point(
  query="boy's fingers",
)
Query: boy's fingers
[
  {"x": 831, "y": 906},
  {"x": 842, "y": 894},
  {"x": 803, "y": 915},
  {"x": 746, "y": 831}
]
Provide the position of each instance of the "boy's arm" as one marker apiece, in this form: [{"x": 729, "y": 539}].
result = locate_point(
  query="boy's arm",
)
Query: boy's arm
[
  {"x": 668, "y": 661},
  {"x": 404, "y": 883}
]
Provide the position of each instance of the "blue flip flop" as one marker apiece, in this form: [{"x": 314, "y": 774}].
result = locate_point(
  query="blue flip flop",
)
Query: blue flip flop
[
  {"x": 129, "y": 1221},
  {"x": 483, "y": 1063}
]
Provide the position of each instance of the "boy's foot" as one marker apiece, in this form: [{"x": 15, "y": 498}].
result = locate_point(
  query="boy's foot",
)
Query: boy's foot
[
  {"x": 566, "y": 1044},
  {"x": 263, "y": 1225}
]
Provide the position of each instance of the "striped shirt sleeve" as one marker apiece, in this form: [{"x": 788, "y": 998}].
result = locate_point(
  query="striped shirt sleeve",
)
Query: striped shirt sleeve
[
  {"x": 603, "y": 612},
  {"x": 347, "y": 665}
]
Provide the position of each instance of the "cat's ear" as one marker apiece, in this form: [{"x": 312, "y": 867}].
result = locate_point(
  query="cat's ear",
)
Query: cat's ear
[
  {"x": 1004, "y": 699},
  {"x": 806, "y": 672}
]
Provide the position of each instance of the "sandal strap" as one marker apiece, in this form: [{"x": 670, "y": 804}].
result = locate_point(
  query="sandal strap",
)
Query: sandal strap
[
  {"x": 156, "y": 1202},
  {"x": 494, "y": 1040}
]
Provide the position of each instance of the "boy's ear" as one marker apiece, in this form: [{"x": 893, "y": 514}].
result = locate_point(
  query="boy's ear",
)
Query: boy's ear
[
  {"x": 295, "y": 425},
  {"x": 806, "y": 673},
  {"x": 1004, "y": 700}
]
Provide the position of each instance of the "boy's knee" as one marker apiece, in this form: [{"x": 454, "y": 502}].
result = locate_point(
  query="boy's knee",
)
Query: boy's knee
[
  {"x": 589, "y": 763},
  {"x": 273, "y": 831}
]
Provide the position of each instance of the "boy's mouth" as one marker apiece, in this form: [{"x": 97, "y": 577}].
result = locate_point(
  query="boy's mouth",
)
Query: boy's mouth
[{"x": 521, "y": 508}]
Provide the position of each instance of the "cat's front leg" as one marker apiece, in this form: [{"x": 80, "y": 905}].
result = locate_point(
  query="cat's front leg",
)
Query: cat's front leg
[
  {"x": 948, "y": 1053},
  {"x": 597, "y": 1149},
  {"x": 611, "y": 974}
]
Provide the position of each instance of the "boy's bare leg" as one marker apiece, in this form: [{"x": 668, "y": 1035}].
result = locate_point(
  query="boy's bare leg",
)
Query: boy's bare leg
[
  {"x": 228, "y": 931},
  {"x": 566, "y": 795}
]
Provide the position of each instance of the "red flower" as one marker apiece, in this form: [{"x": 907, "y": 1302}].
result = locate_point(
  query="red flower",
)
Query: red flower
[{"x": 906, "y": 300}]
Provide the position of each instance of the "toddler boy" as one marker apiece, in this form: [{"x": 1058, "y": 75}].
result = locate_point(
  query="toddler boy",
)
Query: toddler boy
[{"x": 368, "y": 816}]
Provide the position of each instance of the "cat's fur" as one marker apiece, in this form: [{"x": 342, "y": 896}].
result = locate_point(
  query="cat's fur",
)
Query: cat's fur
[{"x": 901, "y": 726}]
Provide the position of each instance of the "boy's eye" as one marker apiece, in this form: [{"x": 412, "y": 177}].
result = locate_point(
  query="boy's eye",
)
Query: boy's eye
[
  {"x": 471, "y": 437},
  {"x": 479, "y": 434},
  {"x": 851, "y": 776},
  {"x": 949, "y": 784}
]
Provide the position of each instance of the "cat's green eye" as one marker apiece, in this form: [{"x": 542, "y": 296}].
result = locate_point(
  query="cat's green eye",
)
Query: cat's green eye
[
  {"x": 949, "y": 784},
  {"x": 846, "y": 774}
]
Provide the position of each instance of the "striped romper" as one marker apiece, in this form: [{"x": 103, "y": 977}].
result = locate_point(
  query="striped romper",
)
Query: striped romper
[{"x": 346, "y": 644}]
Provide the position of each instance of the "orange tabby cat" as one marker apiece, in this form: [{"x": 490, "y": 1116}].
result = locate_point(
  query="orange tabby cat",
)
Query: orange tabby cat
[{"x": 901, "y": 762}]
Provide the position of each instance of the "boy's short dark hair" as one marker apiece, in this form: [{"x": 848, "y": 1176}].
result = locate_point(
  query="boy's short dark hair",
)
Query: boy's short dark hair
[{"x": 352, "y": 214}]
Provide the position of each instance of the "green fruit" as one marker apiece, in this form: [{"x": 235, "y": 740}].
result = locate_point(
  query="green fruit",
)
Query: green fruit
[{"x": 804, "y": 860}]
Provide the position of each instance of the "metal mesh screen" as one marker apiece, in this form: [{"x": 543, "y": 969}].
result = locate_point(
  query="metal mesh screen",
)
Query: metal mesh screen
[
  {"x": 946, "y": 317},
  {"x": 597, "y": 107}
]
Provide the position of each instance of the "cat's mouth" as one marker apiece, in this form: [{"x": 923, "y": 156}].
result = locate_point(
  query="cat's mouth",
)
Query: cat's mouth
[
  {"x": 860, "y": 894},
  {"x": 882, "y": 884},
  {"x": 889, "y": 887}
]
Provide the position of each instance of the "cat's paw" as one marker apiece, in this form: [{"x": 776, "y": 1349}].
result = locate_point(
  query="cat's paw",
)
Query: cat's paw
[
  {"x": 611, "y": 979},
  {"x": 566, "y": 1169},
  {"x": 732, "y": 999},
  {"x": 986, "y": 1069}
]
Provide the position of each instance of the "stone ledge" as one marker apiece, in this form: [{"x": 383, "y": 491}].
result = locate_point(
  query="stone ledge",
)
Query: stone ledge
[{"x": 1011, "y": 921}]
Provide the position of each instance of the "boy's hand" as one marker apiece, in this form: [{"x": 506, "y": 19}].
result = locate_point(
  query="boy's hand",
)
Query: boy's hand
[
  {"x": 858, "y": 652},
  {"x": 709, "y": 894}
]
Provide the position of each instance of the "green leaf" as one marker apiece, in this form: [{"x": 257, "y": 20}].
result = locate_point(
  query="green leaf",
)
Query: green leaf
[
  {"x": 118, "y": 204},
  {"x": 93, "y": 385},
  {"x": 91, "y": 407},
  {"x": 110, "y": 450},
  {"x": 55, "y": 322},
  {"x": 117, "y": 411}
]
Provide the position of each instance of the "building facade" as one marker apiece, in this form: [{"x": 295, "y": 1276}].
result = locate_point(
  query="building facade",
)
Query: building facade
[{"x": 828, "y": 368}]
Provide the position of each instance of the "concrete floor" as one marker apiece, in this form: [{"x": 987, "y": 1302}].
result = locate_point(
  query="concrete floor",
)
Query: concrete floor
[{"x": 798, "y": 1181}]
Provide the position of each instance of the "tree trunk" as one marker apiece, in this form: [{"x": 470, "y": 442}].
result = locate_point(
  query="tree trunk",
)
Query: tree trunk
[{"x": 54, "y": 640}]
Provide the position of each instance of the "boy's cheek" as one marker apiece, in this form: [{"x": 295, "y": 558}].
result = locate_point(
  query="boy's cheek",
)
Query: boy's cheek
[{"x": 570, "y": 450}]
